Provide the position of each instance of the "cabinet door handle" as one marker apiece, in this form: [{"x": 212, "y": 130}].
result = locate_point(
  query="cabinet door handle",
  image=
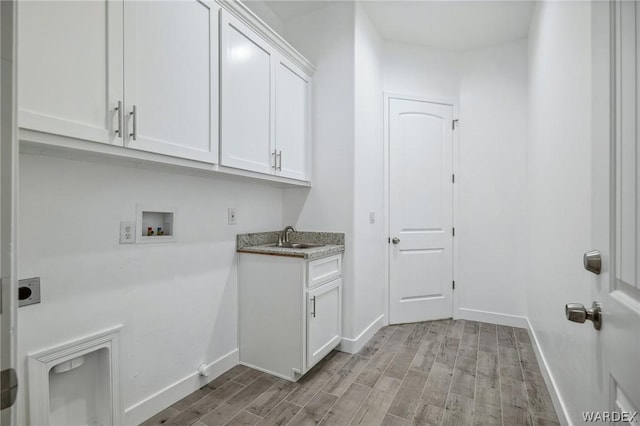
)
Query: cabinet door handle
[
  {"x": 279, "y": 157},
  {"x": 134, "y": 115},
  {"x": 313, "y": 300},
  {"x": 275, "y": 160},
  {"x": 119, "y": 112}
]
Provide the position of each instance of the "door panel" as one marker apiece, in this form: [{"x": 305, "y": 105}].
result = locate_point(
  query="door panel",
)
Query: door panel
[
  {"x": 292, "y": 117},
  {"x": 171, "y": 77},
  {"x": 71, "y": 68},
  {"x": 247, "y": 97},
  {"x": 615, "y": 208},
  {"x": 420, "y": 202},
  {"x": 324, "y": 320}
]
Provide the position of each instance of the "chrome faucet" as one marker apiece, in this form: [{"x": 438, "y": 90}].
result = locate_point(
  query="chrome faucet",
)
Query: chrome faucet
[{"x": 284, "y": 235}]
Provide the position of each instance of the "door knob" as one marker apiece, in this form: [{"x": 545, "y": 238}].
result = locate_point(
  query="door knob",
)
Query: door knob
[
  {"x": 395, "y": 240},
  {"x": 576, "y": 312},
  {"x": 592, "y": 261}
]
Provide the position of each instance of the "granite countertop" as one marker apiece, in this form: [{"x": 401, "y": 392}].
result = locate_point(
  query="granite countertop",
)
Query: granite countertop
[{"x": 262, "y": 243}]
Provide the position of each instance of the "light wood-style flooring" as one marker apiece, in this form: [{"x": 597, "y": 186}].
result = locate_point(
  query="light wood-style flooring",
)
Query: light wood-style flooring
[{"x": 442, "y": 372}]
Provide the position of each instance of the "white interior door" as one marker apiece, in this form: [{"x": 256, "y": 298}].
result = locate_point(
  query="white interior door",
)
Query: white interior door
[
  {"x": 171, "y": 77},
  {"x": 420, "y": 210},
  {"x": 8, "y": 214},
  {"x": 71, "y": 68},
  {"x": 616, "y": 209}
]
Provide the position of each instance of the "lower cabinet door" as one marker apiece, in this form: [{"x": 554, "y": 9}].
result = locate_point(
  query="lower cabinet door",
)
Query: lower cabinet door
[{"x": 324, "y": 320}]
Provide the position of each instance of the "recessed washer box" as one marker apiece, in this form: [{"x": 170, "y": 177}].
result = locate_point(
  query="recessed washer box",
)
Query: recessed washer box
[{"x": 155, "y": 224}]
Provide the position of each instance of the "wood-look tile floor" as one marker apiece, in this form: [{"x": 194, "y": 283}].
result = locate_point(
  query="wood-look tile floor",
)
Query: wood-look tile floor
[{"x": 442, "y": 372}]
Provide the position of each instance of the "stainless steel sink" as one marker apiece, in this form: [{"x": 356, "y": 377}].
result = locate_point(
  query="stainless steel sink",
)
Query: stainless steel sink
[{"x": 296, "y": 245}]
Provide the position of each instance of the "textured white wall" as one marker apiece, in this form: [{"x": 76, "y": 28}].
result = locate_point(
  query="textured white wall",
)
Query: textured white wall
[
  {"x": 491, "y": 180},
  {"x": 265, "y": 13},
  {"x": 559, "y": 200},
  {"x": 489, "y": 86},
  {"x": 370, "y": 284},
  {"x": 421, "y": 71},
  {"x": 177, "y": 301},
  {"x": 326, "y": 38}
]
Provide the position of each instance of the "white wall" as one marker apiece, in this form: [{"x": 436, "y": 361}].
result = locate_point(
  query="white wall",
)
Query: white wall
[
  {"x": 177, "y": 301},
  {"x": 489, "y": 87},
  {"x": 262, "y": 10},
  {"x": 369, "y": 292},
  {"x": 421, "y": 71},
  {"x": 559, "y": 163},
  {"x": 326, "y": 38},
  {"x": 347, "y": 139},
  {"x": 491, "y": 180}
]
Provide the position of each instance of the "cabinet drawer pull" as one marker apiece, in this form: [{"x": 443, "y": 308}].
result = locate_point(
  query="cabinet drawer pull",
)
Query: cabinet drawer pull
[
  {"x": 279, "y": 158},
  {"x": 119, "y": 112},
  {"x": 313, "y": 300},
  {"x": 134, "y": 115}
]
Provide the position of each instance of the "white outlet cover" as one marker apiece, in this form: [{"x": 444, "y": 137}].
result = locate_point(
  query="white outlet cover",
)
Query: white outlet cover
[
  {"x": 372, "y": 217},
  {"x": 232, "y": 215},
  {"x": 128, "y": 232}
]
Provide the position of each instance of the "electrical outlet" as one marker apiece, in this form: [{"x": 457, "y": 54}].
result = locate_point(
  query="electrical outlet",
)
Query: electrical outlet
[
  {"x": 127, "y": 232},
  {"x": 233, "y": 217},
  {"x": 372, "y": 217}
]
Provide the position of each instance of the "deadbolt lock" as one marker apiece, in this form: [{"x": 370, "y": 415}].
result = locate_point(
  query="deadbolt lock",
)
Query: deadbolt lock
[{"x": 592, "y": 261}]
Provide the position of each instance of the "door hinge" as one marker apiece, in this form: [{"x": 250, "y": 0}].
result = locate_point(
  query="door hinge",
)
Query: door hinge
[
  {"x": 453, "y": 231},
  {"x": 389, "y": 240},
  {"x": 453, "y": 284},
  {"x": 453, "y": 124},
  {"x": 453, "y": 178}
]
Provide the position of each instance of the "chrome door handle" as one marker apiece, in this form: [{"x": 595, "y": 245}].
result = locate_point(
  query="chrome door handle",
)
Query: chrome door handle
[
  {"x": 275, "y": 160},
  {"x": 134, "y": 116},
  {"x": 119, "y": 112},
  {"x": 592, "y": 261},
  {"x": 395, "y": 240},
  {"x": 576, "y": 312},
  {"x": 313, "y": 300},
  {"x": 279, "y": 158}
]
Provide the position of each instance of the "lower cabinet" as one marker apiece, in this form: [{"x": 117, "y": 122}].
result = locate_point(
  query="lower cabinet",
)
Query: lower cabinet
[
  {"x": 290, "y": 312},
  {"x": 323, "y": 321}
]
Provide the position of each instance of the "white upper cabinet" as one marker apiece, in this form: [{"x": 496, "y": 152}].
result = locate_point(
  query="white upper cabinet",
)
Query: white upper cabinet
[
  {"x": 85, "y": 66},
  {"x": 247, "y": 98},
  {"x": 171, "y": 77},
  {"x": 197, "y": 80},
  {"x": 292, "y": 121},
  {"x": 264, "y": 105},
  {"x": 70, "y": 68}
]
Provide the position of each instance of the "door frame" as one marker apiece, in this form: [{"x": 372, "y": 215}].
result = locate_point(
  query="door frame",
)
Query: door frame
[
  {"x": 453, "y": 102},
  {"x": 9, "y": 183}
]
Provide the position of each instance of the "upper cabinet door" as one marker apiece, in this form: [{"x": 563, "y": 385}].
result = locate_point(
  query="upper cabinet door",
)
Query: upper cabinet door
[
  {"x": 70, "y": 68},
  {"x": 171, "y": 77},
  {"x": 247, "y": 98},
  {"x": 292, "y": 121}
]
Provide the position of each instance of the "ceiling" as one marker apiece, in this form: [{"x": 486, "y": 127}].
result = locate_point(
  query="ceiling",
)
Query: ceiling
[{"x": 455, "y": 25}]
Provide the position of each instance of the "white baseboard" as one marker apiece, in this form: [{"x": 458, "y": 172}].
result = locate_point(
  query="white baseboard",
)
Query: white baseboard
[
  {"x": 493, "y": 317},
  {"x": 157, "y": 402},
  {"x": 558, "y": 402},
  {"x": 354, "y": 345}
]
